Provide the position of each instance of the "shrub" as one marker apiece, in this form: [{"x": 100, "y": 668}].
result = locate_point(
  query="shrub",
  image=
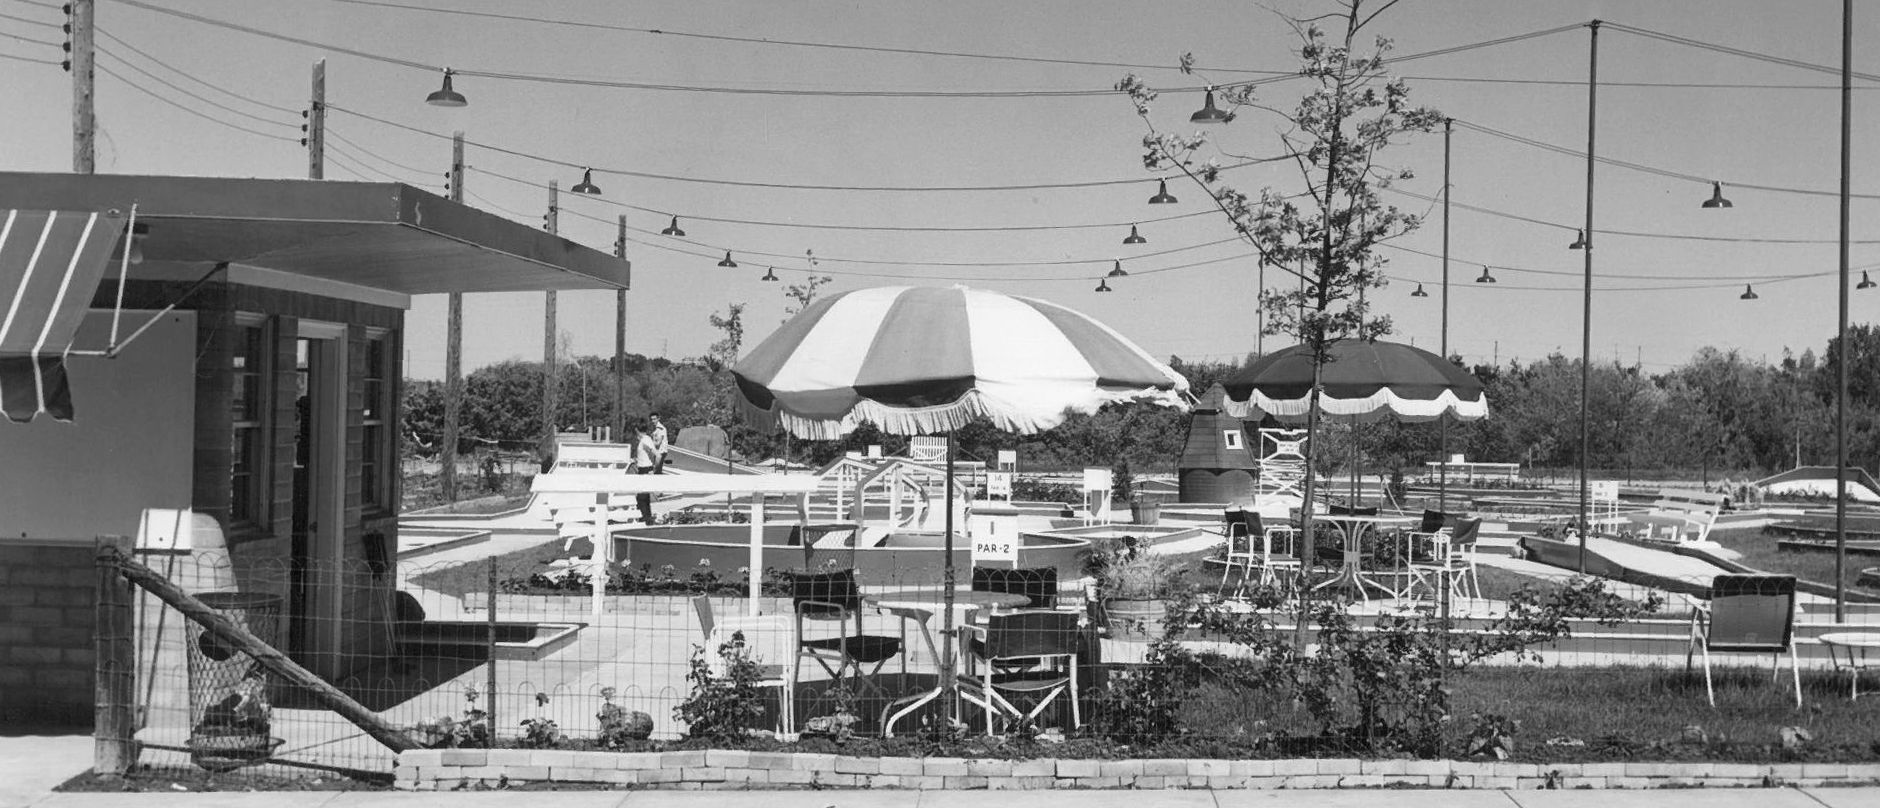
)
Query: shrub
[
  {"x": 620, "y": 727},
  {"x": 472, "y": 731},
  {"x": 722, "y": 706}
]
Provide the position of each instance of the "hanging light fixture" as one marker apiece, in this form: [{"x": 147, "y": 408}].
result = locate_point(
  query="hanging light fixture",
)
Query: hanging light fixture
[
  {"x": 1749, "y": 293},
  {"x": 673, "y": 229},
  {"x": 1486, "y": 278},
  {"x": 1579, "y": 240},
  {"x": 1103, "y": 284},
  {"x": 1865, "y": 282},
  {"x": 1419, "y": 292},
  {"x": 1162, "y": 196},
  {"x": 1716, "y": 199},
  {"x": 445, "y": 96},
  {"x": 1116, "y": 271},
  {"x": 770, "y": 274},
  {"x": 1210, "y": 113},
  {"x": 586, "y": 185},
  {"x": 728, "y": 262},
  {"x": 1134, "y": 237}
]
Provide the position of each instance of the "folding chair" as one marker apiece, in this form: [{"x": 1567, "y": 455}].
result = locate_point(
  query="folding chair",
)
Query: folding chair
[
  {"x": 836, "y": 597},
  {"x": 770, "y": 675},
  {"x": 1747, "y": 614},
  {"x": 1032, "y": 654},
  {"x": 1450, "y": 558}
]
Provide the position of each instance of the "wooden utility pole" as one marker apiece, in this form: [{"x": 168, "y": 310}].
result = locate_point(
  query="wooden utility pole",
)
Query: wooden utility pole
[
  {"x": 620, "y": 343},
  {"x": 114, "y": 724},
  {"x": 549, "y": 367},
  {"x": 84, "y": 120},
  {"x": 316, "y": 124},
  {"x": 453, "y": 353}
]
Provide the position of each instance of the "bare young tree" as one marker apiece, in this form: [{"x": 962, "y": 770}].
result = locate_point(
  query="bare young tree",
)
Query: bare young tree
[{"x": 1328, "y": 233}]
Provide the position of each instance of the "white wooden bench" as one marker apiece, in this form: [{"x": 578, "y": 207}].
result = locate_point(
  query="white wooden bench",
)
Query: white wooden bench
[{"x": 1680, "y": 512}]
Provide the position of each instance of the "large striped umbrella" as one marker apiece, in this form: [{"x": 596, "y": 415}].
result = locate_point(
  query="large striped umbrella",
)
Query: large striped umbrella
[
  {"x": 920, "y": 360},
  {"x": 923, "y": 360},
  {"x": 1365, "y": 380}
]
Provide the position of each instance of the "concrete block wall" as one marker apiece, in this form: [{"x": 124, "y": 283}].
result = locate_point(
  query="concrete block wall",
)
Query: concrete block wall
[{"x": 46, "y": 618}]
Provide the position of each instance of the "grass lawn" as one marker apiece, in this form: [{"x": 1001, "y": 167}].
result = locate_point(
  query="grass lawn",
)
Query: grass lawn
[
  {"x": 1618, "y": 713},
  {"x": 1760, "y": 552},
  {"x": 457, "y": 580}
]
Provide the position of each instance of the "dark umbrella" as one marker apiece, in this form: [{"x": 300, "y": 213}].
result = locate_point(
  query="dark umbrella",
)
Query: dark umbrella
[{"x": 1364, "y": 380}]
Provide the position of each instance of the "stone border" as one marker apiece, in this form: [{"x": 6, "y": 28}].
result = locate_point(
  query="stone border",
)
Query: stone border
[{"x": 446, "y": 769}]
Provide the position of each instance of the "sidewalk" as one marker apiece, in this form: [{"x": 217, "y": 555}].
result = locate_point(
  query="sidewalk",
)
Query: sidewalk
[{"x": 1677, "y": 798}]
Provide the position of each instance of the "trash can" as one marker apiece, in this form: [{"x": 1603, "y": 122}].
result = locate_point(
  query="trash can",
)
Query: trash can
[
  {"x": 230, "y": 718},
  {"x": 1146, "y": 511}
]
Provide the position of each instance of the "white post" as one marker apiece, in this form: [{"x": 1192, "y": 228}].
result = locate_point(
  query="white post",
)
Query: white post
[
  {"x": 603, "y": 550},
  {"x": 757, "y": 551}
]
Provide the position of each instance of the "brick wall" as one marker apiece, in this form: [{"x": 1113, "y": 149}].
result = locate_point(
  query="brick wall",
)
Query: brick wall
[{"x": 46, "y": 616}]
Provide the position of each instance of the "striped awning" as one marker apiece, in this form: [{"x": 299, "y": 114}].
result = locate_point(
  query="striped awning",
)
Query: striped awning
[{"x": 50, "y": 265}]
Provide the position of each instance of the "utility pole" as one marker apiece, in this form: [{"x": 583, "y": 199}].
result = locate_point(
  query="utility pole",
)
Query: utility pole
[
  {"x": 453, "y": 352},
  {"x": 1586, "y": 328},
  {"x": 620, "y": 343},
  {"x": 84, "y": 118},
  {"x": 316, "y": 124},
  {"x": 1840, "y": 369},
  {"x": 549, "y": 368}
]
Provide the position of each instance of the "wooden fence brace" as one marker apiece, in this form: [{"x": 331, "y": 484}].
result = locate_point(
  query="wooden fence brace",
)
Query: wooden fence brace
[
  {"x": 267, "y": 656},
  {"x": 114, "y": 716}
]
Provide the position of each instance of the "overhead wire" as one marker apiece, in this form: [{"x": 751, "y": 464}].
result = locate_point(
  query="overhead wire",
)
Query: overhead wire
[
  {"x": 29, "y": 40},
  {"x": 29, "y": 21},
  {"x": 789, "y": 43},
  {"x": 185, "y": 91},
  {"x": 28, "y": 59},
  {"x": 106, "y": 69},
  {"x": 622, "y": 172},
  {"x": 191, "y": 76}
]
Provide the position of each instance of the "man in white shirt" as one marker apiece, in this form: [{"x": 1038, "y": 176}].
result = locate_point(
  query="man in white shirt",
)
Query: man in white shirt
[
  {"x": 659, "y": 442},
  {"x": 645, "y": 461}
]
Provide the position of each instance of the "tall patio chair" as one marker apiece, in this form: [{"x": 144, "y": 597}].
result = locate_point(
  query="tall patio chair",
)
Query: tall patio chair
[
  {"x": 836, "y": 598},
  {"x": 1442, "y": 554},
  {"x": 1747, "y": 614},
  {"x": 770, "y": 674},
  {"x": 1029, "y": 655},
  {"x": 1251, "y": 546}
]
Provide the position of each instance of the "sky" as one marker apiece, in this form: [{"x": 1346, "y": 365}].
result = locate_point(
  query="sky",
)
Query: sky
[{"x": 899, "y": 116}]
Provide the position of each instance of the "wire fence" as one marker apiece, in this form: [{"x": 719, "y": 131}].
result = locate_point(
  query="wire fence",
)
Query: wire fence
[{"x": 1372, "y": 638}]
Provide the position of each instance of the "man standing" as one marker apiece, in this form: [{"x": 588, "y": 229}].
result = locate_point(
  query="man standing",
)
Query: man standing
[
  {"x": 645, "y": 461},
  {"x": 659, "y": 442}
]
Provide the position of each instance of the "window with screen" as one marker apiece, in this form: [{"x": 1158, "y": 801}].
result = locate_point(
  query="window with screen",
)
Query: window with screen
[
  {"x": 248, "y": 409},
  {"x": 376, "y": 458}
]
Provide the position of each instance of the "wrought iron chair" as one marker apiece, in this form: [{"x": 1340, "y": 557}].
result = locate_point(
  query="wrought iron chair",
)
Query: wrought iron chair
[{"x": 1274, "y": 553}]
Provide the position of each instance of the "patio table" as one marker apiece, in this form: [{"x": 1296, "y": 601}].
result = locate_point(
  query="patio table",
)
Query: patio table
[
  {"x": 1351, "y": 528},
  {"x": 919, "y": 606},
  {"x": 1856, "y": 645}
]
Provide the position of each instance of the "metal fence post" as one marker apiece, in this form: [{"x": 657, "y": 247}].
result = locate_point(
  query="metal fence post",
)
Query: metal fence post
[{"x": 490, "y": 649}]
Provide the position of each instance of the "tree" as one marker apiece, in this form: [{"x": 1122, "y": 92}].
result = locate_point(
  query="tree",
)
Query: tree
[
  {"x": 1337, "y": 129},
  {"x": 802, "y": 294},
  {"x": 724, "y": 353}
]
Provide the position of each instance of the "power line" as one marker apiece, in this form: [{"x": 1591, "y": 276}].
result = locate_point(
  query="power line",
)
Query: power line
[
  {"x": 423, "y": 172},
  {"x": 1725, "y": 49},
  {"x": 790, "y": 43},
  {"x": 1640, "y": 167},
  {"x": 105, "y": 69},
  {"x": 604, "y": 170},
  {"x": 860, "y": 227},
  {"x": 28, "y": 59},
  {"x": 29, "y": 21},
  {"x": 29, "y": 40},
  {"x": 211, "y": 102},
  {"x": 186, "y": 74},
  {"x": 1630, "y": 233}
]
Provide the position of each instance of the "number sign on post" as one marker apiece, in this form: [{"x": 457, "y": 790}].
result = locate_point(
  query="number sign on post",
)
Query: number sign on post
[{"x": 993, "y": 546}]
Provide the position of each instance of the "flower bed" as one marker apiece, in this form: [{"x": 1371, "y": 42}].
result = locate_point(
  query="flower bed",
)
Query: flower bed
[{"x": 445, "y": 769}]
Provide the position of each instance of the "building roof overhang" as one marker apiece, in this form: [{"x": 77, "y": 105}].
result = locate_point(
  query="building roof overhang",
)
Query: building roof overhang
[{"x": 378, "y": 235}]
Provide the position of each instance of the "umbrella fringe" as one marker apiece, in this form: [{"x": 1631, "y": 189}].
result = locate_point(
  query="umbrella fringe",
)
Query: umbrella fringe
[
  {"x": 938, "y": 419},
  {"x": 1380, "y": 405}
]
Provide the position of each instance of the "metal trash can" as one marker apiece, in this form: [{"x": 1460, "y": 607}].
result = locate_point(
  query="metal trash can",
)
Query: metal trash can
[{"x": 229, "y": 714}]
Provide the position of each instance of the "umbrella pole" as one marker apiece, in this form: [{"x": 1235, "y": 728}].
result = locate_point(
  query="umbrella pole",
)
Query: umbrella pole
[{"x": 951, "y": 703}]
